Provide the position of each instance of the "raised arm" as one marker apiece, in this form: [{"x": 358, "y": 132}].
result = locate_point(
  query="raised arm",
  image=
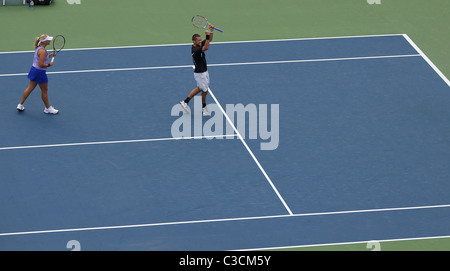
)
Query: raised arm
[
  {"x": 207, "y": 41},
  {"x": 211, "y": 29},
  {"x": 209, "y": 37}
]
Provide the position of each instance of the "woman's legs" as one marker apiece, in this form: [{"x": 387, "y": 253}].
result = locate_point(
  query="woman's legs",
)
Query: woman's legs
[
  {"x": 44, "y": 95},
  {"x": 28, "y": 91}
]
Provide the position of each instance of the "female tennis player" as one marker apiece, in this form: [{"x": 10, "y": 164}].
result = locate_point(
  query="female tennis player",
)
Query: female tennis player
[
  {"x": 201, "y": 74},
  {"x": 37, "y": 74}
]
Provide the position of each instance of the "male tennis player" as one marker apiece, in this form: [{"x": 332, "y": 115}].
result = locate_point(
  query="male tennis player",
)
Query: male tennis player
[
  {"x": 37, "y": 74},
  {"x": 201, "y": 74}
]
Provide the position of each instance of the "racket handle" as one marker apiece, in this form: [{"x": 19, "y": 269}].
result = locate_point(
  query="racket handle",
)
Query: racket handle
[
  {"x": 53, "y": 58},
  {"x": 220, "y": 30}
]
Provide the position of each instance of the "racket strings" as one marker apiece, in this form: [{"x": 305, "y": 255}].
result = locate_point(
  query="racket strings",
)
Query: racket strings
[
  {"x": 59, "y": 42},
  {"x": 199, "y": 22}
]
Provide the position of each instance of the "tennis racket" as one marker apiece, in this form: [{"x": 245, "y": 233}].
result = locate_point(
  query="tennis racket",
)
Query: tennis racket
[
  {"x": 58, "y": 44},
  {"x": 201, "y": 22}
]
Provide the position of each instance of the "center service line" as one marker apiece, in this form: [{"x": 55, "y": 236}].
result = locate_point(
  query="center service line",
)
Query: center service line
[{"x": 251, "y": 153}]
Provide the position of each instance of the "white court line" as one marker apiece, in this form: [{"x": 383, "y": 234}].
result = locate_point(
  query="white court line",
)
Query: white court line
[
  {"x": 427, "y": 59},
  {"x": 111, "y": 142},
  {"x": 250, "y": 152},
  {"x": 222, "y": 64},
  {"x": 227, "y": 220},
  {"x": 229, "y": 64},
  {"x": 219, "y": 42}
]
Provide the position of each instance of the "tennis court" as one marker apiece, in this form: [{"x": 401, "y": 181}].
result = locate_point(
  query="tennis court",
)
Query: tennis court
[{"x": 363, "y": 148}]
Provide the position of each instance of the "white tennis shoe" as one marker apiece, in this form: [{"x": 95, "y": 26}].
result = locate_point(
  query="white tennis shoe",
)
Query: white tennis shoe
[
  {"x": 185, "y": 107},
  {"x": 205, "y": 112},
  {"x": 51, "y": 110},
  {"x": 20, "y": 107}
]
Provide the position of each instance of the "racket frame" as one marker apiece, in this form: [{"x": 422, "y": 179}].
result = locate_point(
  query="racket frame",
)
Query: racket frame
[
  {"x": 56, "y": 51},
  {"x": 207, "y": 23}
]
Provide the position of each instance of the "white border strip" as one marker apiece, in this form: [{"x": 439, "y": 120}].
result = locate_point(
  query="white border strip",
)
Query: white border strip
[
  {"x": 349, "y": 243},
  {"x": 427, "y": 59},
  {"x": 113, "y": 142},
  {"x": 221, "y": 64},
  {"x": 220, "y": 42},
  {"x": 227, "y": 220}
]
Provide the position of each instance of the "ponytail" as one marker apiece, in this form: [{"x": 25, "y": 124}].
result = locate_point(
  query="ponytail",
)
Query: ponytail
[{"x": 36, "y": 42}]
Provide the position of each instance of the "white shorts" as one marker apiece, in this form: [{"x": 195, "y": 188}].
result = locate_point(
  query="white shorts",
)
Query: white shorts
[{"x": 202, "y": 80}]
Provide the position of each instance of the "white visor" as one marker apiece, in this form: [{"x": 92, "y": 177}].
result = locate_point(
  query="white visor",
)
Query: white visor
[{"x": 46, "y": 39}]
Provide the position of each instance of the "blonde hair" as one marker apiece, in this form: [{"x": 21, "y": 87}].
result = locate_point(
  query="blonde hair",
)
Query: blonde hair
[{"x": 39, "y": 39}]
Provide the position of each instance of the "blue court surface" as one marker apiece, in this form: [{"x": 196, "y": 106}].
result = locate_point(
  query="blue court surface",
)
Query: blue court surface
[{"x": 362, "y": 153}]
